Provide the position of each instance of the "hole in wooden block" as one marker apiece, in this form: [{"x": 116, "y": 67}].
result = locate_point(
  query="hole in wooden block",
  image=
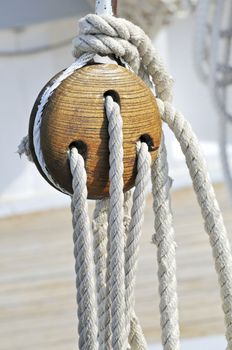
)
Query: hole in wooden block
[
  {"x": 149, "y": 141},
  {"x": 114, "y": 94},
  {"x": 75, "y": 116},
  {"x": 81, "y": 147}
]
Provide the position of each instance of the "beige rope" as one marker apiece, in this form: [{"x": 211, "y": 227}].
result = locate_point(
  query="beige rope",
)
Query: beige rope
[{"x": 107, "y": 35}]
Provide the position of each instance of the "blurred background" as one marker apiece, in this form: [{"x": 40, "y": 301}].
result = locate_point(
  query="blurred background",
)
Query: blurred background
[{"x": 37, "y": 292}]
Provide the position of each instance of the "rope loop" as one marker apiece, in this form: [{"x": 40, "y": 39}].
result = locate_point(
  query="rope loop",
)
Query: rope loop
[{"x": 107, "y": 35}]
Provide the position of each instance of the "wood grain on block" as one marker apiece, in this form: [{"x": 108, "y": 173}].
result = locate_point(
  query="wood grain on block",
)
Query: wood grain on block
[{"x": 75, "y": 115}]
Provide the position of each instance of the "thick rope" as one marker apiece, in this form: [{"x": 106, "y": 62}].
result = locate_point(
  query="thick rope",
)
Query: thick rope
[
  {"x": 213, "y": 220},
  {"x": 87, "y": 317},
  {"x": 107, "y": 35},
  {"x": 100, "y": 227},
  {"x": 135, "y": 226},
  {"x": 164, "y": 238},
  {"x": 116, "y": 227},
  {"x": 137, "y": 340}
]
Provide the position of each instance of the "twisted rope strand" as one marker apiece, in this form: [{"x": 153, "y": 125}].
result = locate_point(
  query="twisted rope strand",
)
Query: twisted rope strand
[
  {"x": 212, "y": 216},
  {"x": 106, "y": 35},
  {"x": 164, "y": 238},
  {"x": 87, "y": 317},
  {"x": 137, "y": 340},
  {"x": 99, "y": 228},
  {"x": 135, "y": 226},
  {"x": 116, "y": 227},
  {"x": 136, "y": 337}
]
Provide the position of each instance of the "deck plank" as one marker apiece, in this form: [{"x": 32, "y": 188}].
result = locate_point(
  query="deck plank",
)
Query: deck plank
[{"x": 37, "y": 289}]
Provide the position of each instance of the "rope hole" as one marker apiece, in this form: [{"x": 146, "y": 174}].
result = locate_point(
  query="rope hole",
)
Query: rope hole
[
  {"x": 149, "y": 141},
  {"x": 115, "y": 96},
  {"x": 81, "y": 147}
]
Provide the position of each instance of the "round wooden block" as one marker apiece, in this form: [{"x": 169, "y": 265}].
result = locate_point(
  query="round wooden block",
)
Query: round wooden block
[{"x": 75, "y": 115}]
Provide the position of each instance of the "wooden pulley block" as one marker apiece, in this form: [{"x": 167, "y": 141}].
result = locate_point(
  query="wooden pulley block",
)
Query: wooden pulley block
[{"x": 75, "y": 116}]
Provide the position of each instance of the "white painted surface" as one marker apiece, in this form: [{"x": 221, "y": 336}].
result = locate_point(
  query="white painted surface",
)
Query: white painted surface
[
  {"x": 104, "y": 7},
  {"x": 193, "y": 99},
  {"x": 21, "y": 187},
  {"x": 209, "y": 343},
  {"x": 34, "y": 11}
]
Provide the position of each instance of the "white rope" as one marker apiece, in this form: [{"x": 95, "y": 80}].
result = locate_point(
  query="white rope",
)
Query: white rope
[
  {"x": 214, "y": 224},
  {"x": 107, "y": 35},
  {"x": 116, "y": 261},
  {"x": 116, "y": 227},
  {"x": 166, "y": 252},
  {"x": 87, "y": 317},
  {"x": 121, "y": 38},
  {"x": 136, "y": 337},
  {"x": 152, "y": 15},
  {"x": 100, "y": 227},
  {"x": 135, "y": 226},
  {"x": 137, "y": 340}
]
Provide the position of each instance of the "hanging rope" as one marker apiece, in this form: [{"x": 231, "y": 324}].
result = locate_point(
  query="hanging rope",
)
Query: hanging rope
[
  {"x": 87, "y": 328},
  {"x": 116, "y": 228},
  {"x": 109, "y": 321},
  {"x": 112, "y": 325},
  {"x": 100, "y": 227},
  {"x": 135, "y": 227},
  {"x": 214, "y": 224},
  {"x": 164, "y": 239}
]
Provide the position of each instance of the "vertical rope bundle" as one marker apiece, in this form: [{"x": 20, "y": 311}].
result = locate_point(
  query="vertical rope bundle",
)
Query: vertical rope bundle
[
  {"x": 116, "y": 227},
  {"x": 83, "y": 254},
  {"x": 115, "y": 323},
  {"x": 99, "y": 228},
  {"x": 135, "y": 226},
  {"x": 109, "y": 321},
  {"x": 164, "y": 239},
  {"x": 211, "y": 213}
]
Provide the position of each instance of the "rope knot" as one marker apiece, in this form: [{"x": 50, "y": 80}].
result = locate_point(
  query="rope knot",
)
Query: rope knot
[{"x": 107, "y": 35}]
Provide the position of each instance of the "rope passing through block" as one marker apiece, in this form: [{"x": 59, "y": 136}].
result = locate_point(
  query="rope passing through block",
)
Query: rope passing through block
[
  {"x": 74, "y": 114},
  {"x": 106, "y": 266}
]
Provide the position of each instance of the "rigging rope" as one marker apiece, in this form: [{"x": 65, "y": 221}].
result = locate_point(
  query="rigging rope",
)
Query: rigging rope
[
  {"x": 116, "y": 312},
  {"x": 109, "y": 320}
]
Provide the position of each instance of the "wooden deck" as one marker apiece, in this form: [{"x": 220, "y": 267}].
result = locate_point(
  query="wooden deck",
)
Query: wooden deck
[{"x": 37, "y": 293}]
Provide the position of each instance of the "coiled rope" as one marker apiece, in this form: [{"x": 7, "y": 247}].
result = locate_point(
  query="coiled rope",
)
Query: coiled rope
[{"x": 109, "y": 321}]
